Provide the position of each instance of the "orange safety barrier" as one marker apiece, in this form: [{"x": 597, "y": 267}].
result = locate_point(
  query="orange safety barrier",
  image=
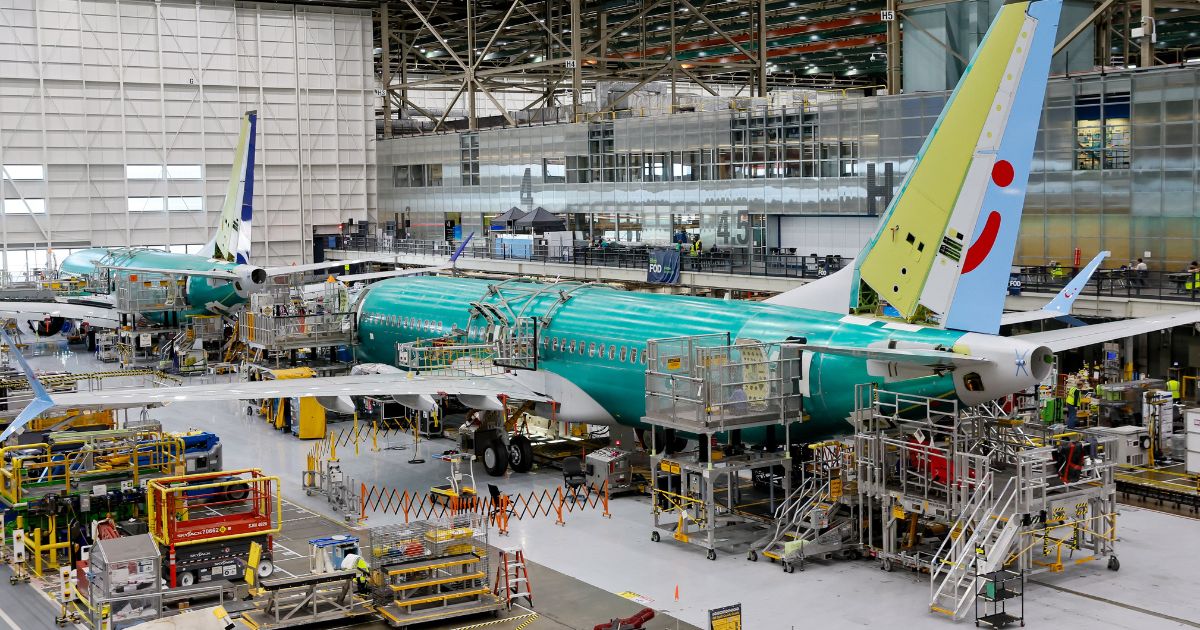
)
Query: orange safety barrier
[{"x": 415, "y": 506}]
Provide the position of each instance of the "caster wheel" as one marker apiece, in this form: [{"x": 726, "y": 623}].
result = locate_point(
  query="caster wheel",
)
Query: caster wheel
[
  {"x": 788, "y": 568},
  {"x": 712, "y": 554},
  {"x": 1114, "y": 564},
  {"x": 752, "y": 556},
  {"x": 654, "y": 537},
  {"x": 886, "y": 566}
]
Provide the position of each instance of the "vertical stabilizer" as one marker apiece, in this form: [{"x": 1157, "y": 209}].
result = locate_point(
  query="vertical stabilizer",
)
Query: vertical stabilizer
[
  {"x": 231, "y": 241},
  {"x": 945, "y": 245}
]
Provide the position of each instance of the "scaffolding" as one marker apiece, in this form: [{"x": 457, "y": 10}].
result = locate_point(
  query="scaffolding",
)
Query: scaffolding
[
  {"x": 275, "y": 322},
  {"x": 961, "y": 493},
  {"x": 705, "y": 385}
]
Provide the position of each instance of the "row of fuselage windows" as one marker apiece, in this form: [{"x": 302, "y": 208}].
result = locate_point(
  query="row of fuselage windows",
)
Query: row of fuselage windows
[
  {"x": 407, "y": 323},
  {"x": 619, "y": 354}
]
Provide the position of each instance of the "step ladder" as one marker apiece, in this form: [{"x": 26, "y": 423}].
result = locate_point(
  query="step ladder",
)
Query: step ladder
[
  {"x": 512, "y": 578},
  {"x": 979, "y": 543}
]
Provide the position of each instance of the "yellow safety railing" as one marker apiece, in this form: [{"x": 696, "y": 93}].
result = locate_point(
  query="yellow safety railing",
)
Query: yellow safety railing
[
  {"x": 39, "y": 465},
  {"x": 246, "y": 503}
]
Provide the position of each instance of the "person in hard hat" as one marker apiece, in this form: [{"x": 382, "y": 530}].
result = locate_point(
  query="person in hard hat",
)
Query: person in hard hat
[
  {"x": 1074, "y": 398},
  {"x": 362, "y": 572},
  {"x": 1173, "y": 386}
]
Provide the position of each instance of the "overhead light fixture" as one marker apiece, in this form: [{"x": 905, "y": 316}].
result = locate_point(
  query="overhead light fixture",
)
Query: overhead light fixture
[
  {"x": 744, "y": 13},
  {"x": 814, "y": 37}
]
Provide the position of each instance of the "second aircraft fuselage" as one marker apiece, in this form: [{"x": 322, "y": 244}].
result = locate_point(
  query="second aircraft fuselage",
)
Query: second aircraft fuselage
[{"x": 597, "y": 336}]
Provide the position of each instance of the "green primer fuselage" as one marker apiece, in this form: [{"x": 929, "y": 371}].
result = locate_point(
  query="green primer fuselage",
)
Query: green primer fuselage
[
  {"x": 606, "y": 316},
  {"x": 201, "y": 292}
]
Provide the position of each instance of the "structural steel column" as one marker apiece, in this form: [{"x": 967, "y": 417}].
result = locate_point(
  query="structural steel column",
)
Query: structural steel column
[
  {"x": 385, "y": 32},
  {"x": 576, "y": 62},
  {"x": 761, "y": 57},
  {"x": 472, "y": 118},
  {"x": 1147, "y": 43},
  {"x": 893, "y": 48}
]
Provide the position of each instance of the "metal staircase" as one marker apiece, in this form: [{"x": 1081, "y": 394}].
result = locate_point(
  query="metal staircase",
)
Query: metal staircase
[
  {"x": 980, "y": 542},
  {"x": 802, "y": 516}
]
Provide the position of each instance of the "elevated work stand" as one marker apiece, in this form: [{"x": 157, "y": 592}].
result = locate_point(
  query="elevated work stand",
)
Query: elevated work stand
[{"x": 712, "y": 386}]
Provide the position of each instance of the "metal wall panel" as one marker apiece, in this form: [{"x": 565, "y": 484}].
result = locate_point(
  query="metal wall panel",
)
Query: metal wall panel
[{"x": 92, "y": 85}]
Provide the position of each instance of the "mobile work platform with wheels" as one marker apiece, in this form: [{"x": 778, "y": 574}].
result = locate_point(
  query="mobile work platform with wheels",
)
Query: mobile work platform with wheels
[
  {"x": 205, "y": 524},
  {"x": 714, "y": 386},
  {"x": 964, "y": 493},
  {"x": 430, "y": 570}
]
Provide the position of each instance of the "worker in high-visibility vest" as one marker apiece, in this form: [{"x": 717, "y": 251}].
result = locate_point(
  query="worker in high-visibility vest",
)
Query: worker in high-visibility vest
[
  {"x": 1074, "y": 398},
  {"x": 362, "y": 572},
  {"x": 1173, "y": 386}
]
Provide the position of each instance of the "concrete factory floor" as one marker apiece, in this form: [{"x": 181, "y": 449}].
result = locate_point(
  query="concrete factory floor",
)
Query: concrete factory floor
[{"x": 582, "y": 563}]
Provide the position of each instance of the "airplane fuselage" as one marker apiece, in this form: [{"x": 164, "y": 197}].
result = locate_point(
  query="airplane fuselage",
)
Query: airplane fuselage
[
  {"x": 597, "y": 337},
  {"x": 203, "y": 295}
]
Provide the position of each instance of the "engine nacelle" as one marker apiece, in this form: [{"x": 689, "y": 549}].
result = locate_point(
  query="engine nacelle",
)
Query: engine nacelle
[
  {"x": 1014, "y": 365},
  {"x": 250, "y": 280}
]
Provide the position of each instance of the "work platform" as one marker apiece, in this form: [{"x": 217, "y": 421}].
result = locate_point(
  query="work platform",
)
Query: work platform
[{"x": 704, "y": 386}]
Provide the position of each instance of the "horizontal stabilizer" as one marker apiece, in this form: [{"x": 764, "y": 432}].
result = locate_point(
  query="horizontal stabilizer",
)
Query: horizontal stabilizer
[
  {"x": 1068, "y": 338},
  {"x": 939, "y": 359}
]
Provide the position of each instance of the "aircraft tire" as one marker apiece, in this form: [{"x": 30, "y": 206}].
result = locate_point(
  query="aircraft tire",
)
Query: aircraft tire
[
  {"x": 495, "y": 458},
  {"x": 520, "y": 454}
]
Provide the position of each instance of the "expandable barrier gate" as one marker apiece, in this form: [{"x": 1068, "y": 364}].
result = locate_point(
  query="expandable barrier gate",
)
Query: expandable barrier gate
[{"x": 419, "y": 506}]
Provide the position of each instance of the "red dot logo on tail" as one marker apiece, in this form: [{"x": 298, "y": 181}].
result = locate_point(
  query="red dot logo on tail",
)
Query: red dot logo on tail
[{"x": 1002, "y": 173}]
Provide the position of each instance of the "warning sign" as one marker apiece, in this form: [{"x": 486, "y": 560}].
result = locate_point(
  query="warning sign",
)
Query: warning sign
[
  {"x": 725, "y": 618},
  {"x": 835, "y": 489},
  {"x": 674, "y": 363},
  {"x": 641, "y": 599}
]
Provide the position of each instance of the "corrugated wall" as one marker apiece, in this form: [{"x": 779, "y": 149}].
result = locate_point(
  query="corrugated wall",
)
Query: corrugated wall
[{"x": 89, "y": 87}]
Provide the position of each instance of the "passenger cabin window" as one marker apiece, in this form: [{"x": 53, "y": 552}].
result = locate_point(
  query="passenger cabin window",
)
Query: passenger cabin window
[
  {"x": 643, "y": 356},
  {"x": 623, "y": 353},
  {"x": 582, "y": 347},
  {"x": 592, "y": 349},
  {"x": 572, "y": 346},
  {"x": 612, "y": 352}
]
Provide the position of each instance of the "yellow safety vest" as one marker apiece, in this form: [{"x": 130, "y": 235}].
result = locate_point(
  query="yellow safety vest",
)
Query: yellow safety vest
[
  {"x": 1173, "y": 385},
  {"x": 1073, "y": 396}
]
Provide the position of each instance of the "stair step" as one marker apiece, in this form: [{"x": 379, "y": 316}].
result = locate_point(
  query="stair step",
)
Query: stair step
[
  {"x": 521, "y": 594},
  {"x": 939, "y": 609}
]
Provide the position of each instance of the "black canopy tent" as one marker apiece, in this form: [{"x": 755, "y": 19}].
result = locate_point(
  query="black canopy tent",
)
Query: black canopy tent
[
  {"x": 510, "y": 217},
  {"x": 541, "y": 220}
]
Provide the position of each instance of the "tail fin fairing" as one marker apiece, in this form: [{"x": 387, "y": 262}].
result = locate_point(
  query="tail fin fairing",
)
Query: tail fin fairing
[
  {"x": 946, "y": 242},
  {"x": 231, "y": 242}
]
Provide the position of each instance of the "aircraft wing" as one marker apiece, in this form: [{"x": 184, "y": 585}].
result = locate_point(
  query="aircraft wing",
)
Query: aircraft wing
[
  {"x": 917, "y": 356},
  {"x": 1068, "y": 338},
  {"x": 203, "y": 273},
  {"x": 1061, "y": 305},
  {"x": 25, "y": 310},
  {"x": 379, "y": 275},
  {"x": 328, "y": 264},
  {"x": 390, "y": 384}
]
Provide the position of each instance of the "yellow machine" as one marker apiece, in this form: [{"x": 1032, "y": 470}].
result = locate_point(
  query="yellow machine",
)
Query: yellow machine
[{"x": 305, "y": 416}]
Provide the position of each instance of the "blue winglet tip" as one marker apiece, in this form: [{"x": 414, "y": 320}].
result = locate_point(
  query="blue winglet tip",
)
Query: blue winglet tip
[
  {"x": 458, "y": 252},
  {"x": 41, "y": 401}
]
